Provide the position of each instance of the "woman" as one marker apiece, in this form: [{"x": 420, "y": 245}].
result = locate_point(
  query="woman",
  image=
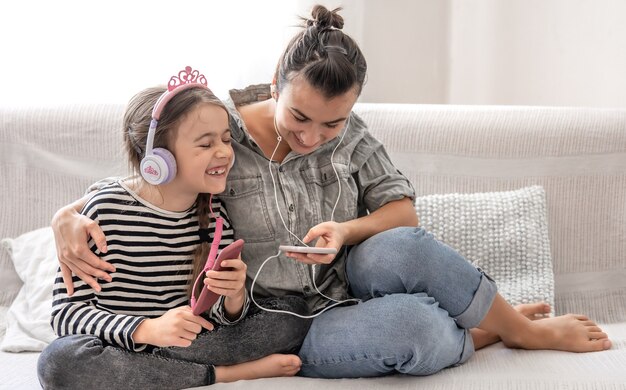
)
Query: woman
[{"x": 307, "y": 169}]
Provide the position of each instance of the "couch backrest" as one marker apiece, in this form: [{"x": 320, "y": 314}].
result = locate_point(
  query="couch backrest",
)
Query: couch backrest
[
  {"x": 49, "y": 155},
  {"x": 577, "y": 154}
]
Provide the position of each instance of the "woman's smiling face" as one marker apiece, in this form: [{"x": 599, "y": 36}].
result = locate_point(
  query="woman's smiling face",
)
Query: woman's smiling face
[{"x": 306, "y": 119}]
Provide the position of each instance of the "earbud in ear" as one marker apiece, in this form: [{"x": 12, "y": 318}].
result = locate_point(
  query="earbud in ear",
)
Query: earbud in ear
[{"x": 273, "y": 91}]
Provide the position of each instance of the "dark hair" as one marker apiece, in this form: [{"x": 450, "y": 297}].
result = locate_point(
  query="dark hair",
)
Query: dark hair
[
  {"x": 328, "y": 59},
  {"x": 137, "y": 119}
]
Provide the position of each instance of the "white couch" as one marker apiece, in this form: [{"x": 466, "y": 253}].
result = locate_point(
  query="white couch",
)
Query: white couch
[{"x": 49, "y": 155}]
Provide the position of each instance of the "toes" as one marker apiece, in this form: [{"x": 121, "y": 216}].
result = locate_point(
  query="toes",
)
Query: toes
[
  {"x": 293, "y": 361},
  {"x": 296, "y": 362},
  {"x": 581, "y": 317},
  {"x": 598, "y": 335},
  {"x": 599, "y": 345},
  {"x": 596, "y": 345}
]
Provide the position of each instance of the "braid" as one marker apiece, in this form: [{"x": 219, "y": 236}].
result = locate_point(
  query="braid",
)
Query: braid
[{"x": 202, "y": 251}]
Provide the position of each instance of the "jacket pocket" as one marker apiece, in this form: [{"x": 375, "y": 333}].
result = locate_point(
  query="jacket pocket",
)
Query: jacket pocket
[
  {"x": 324, "y": 189},
  {"x": 247, "y": 209}
]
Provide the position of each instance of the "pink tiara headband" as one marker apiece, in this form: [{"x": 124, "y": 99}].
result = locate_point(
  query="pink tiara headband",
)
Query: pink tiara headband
[{"x": 186, "y": 78}]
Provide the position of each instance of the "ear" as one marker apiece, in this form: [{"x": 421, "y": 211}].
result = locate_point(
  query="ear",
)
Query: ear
[{"x": 274, "y": 88}]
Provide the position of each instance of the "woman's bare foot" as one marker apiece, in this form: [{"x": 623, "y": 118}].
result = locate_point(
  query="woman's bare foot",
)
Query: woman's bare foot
[
  {"x": 574, "y": 333},
  {"x": 532, "y": 311},
  {"x": 570, "y": 332},
  {"x": 266, "y": 367}
]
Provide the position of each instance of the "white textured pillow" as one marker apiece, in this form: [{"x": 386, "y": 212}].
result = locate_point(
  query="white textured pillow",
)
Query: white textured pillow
[
  {"x": 28, "y": 318},
  {"x": 504, "y": 233}
]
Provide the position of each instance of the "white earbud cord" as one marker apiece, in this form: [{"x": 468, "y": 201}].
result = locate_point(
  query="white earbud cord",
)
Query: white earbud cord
[
  {"x": 269, "y": 167},
  {"x": 332, "y": 164},
  {"x": 332, "y": 215},
  {"x": 337, "y": 303}
]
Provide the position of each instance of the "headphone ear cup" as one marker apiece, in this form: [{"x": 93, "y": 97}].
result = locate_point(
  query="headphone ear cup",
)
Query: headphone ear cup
[
  {"x": 158, "y": 167},
  {"x": 170, "y": 163}
]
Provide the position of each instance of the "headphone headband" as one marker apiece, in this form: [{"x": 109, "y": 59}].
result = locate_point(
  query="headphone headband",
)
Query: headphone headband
[
  {"x": 158, "y": 166},
  {"x": 169, "y": 94},
  {"x": 185, "y": 79}
]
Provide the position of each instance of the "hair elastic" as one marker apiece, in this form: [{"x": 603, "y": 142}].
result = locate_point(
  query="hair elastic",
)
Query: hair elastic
[{"x": 336, "y": 49}]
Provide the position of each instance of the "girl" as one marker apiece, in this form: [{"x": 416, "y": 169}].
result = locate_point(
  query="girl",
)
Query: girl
[
  {"x": 423, "y": 307},
  {"x": 137, "y": 331}
]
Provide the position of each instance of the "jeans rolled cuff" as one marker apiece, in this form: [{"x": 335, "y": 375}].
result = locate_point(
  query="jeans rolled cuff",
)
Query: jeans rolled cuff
[
  {"x": 468, "y": 348},
  {"x": 480, "y": 304}
]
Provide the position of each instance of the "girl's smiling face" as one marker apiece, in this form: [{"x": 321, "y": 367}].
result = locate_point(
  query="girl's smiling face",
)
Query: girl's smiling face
[{"x": 203, "y": 150}]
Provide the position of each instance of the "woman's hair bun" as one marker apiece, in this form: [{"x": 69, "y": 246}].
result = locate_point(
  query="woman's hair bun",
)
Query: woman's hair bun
[{"x": 322, "y": 18}]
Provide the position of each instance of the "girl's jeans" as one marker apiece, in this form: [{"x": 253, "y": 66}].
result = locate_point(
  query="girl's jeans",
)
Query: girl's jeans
[
  {"x": 86, "y": 362},
  {"x": 419, "y": 300}
]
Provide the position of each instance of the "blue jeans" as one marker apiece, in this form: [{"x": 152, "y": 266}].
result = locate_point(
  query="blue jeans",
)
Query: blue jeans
[
  {"x": 87, "y": 362},
  {"x": 419, "y": 300}
]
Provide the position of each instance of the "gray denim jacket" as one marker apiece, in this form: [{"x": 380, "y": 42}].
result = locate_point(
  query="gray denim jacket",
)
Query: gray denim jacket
[{"x": 307, "y": 189}]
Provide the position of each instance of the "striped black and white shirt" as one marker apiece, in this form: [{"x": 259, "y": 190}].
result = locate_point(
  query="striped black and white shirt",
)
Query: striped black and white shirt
[{"x": 152, "y": 250}]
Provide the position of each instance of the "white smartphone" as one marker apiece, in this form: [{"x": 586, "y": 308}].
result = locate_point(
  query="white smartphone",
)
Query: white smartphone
[{"x": 307, "y": 249}]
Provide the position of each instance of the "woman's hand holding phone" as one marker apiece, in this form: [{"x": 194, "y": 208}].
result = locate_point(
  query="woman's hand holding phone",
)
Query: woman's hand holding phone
[{"x": 330, "y": 238}]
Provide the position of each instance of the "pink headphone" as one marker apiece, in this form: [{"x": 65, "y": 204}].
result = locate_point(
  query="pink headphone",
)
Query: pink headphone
[{"x": 158, "y": 166}]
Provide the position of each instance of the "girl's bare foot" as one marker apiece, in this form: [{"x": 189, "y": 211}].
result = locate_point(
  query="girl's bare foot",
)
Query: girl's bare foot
[
  {"x": 266, "y": 367},
  {"x": 532, "y": 311},
  {"x": 570, "y": 332}
]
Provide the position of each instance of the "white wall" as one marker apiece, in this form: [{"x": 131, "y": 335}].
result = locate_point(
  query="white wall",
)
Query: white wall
[
  {"x": 76, "y": 51},
  {"x": 535, "y": 52},
  {"x": 405, "y": 43},
  {"x": 541, "y": 52}
]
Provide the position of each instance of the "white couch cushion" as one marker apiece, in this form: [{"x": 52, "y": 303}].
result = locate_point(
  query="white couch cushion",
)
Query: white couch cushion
[{"x": 28, "y": 318}]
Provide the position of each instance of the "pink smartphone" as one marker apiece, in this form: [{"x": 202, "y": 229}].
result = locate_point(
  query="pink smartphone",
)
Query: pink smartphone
[{"x": 207, "y": 297}]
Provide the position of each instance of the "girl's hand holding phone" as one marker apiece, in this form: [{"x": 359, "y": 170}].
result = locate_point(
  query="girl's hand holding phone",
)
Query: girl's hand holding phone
[
  {"x": 230, "y": 282},
  {"x": 176, "y": 328}
]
